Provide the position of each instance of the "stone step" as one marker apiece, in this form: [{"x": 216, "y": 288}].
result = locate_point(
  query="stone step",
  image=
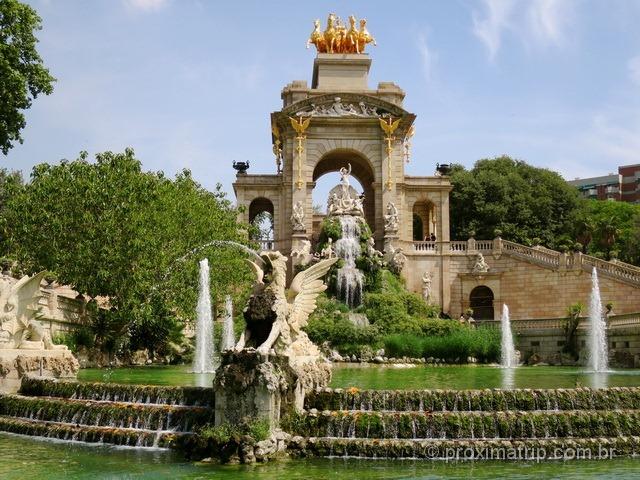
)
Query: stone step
[
  {"x": 600, "y": 448},
  {"x": 474, "y": 400},
  {"x": 93, "y": 434},
  {"x": 464, "y": 425},
  {"x": 150, "y": 394},
  {"x": 106, "y": 414}
]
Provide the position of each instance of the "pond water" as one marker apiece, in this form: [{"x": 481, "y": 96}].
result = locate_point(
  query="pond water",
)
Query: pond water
[
  {"x": 390, "y": 377},
  {"x": 24, "y": 457}
]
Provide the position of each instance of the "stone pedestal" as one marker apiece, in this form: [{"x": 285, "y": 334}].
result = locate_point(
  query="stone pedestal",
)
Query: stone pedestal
[
  {"x": 16, "y": 363},
  {"x": 341, "y": 72},
  {"x": 249, "y": 385}
]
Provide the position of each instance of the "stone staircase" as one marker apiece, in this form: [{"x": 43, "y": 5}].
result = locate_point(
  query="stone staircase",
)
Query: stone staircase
[
  {"x": 129, "y": 415},
  {"x": 467, "y": 424}
]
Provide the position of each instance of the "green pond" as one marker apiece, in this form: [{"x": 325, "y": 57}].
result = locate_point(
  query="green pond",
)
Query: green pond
[
  {"x": 390, "y": 377},
  {"x": 27, "y": 458}
]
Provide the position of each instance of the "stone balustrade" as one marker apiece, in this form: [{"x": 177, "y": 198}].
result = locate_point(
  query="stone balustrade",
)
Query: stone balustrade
[
  {"x": 538, "y": 255},
  {"x": 614, "y": 322},
  {"x": 426, "y": 247}
]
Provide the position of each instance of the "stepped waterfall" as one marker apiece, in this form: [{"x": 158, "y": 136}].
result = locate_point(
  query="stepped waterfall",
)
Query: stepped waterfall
[{"x": 350, "y": 279}]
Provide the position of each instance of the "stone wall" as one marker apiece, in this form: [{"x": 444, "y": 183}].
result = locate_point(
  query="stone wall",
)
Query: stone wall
[
  {"x": 532, "y": 291},
  {"x": 533, "y": 282}
]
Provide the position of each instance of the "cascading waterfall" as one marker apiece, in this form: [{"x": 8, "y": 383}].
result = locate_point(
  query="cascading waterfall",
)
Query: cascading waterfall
[
  {"x": 228, "y": 338},
  {"x": 598, "y": 352},
  {"x": 350, "y": 279},
  {"x": 508, "y": 351},
  {"x": 203, "y": 362}
]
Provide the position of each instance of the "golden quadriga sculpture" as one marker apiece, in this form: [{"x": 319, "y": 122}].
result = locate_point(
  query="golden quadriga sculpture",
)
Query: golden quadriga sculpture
[{"x": 338, "y": 38}]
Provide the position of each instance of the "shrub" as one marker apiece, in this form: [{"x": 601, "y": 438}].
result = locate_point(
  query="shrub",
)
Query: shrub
[
  {"x": 439, "y": 327},
  {"x": 459, "y": 343},
  {"x": 403, "y": 345},
  {"x": 330, "y": 323},
  {"x": 257, "y": 428},
  {"x": 330, "y": 228}
]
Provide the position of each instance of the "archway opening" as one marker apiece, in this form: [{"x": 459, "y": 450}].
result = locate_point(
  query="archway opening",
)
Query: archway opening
[
  {"x": 425, "y": 229},
  {"x": 261, "y": 217},
  {"x": 418, "y": 228},
  {"x": 361, "y": 170},
  {"x": 481, "y": 302}
]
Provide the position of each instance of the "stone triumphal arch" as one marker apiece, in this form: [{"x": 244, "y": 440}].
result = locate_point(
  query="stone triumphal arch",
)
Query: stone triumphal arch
[{"x": 340, "y": 121}]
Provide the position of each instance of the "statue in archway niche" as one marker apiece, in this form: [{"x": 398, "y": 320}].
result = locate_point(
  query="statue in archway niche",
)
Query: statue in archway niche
[
  {"x": 297, "y": 217},
  {"x": 344, "y": 199}
]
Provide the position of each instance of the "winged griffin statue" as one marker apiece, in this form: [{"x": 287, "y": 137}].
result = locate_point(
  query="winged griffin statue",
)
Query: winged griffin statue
[
  {"x": 274, "y": 316},
  {"x": 19, "y": 311}
]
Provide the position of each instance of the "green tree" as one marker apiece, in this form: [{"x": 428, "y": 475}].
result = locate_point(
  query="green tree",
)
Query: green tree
[
  {"x": 616, "y": 227},
  {"x": 110, "y": 229},
  {"x": 22, "y": 73},
  {"x": 522, "y": 201}
]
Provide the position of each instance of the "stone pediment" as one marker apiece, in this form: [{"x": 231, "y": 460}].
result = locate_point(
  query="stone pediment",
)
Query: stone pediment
[{"x": 343, "y": 106}]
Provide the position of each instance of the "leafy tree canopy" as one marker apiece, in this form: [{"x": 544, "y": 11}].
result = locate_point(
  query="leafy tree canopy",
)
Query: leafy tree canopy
[
  {"x": 23, "y": 75},
  {"x": 110, "y": 229},
  {"x": 522, "y": 201},
  {"x": 604, "y": 227}
]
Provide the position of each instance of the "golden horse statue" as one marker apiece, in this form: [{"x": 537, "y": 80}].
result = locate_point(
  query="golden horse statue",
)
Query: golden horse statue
[
  {"x": 330, "y": 33},
  {"x": 337, "y": 38},
  {"x": 364, "y": 37},
  {"x": 317, "y": 38}
]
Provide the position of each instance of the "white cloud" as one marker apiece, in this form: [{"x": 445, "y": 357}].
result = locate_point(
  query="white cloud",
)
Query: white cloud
[
  {"x": 634, "y": 69},
  {"x": 549, "y": 20},
  {"x": 489, "y": 29},
  {"x": 427, "y": 56},
  {"x": 539, "y": 23},
  {"x": 146, "y": 5}
]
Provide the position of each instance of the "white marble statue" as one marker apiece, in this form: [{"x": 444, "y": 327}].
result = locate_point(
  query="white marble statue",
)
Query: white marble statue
[
  {"x": 287, "y": 311},
  {"x": 426, "y": 285},
  {"x": 391, "y": 220},
  {"x": 302, "y": 256},
  {"x": 343, "y": 198},
  {"x": 328, "y": 251},
  {"x": 371, "y": 249},
  {"x": 19, "y": 311},
  {"x": 480, "y": 265},
  {"x": 395, "y": 258},
  {"x": 297, "y": 217},
  {"x": 337, "y": 108}
]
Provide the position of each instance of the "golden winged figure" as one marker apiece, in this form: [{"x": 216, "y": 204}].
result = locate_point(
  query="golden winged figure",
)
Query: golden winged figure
[
  {"x": 389, "y": 127},
  {"x": 299, "y": 125}
]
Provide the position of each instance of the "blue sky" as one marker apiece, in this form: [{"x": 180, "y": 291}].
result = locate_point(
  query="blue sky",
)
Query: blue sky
[{"x": 190, "y": 84}]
